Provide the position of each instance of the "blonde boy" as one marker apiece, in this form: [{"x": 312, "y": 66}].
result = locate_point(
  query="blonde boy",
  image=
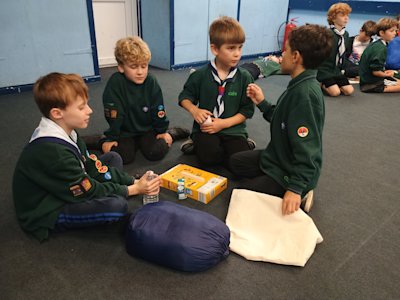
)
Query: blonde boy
[
  {"x": 330, "y": 74},
  {"x": 134, "y": 106},
  {"x": 215, "y": 96},
  {"x": 374, "y": 78}
]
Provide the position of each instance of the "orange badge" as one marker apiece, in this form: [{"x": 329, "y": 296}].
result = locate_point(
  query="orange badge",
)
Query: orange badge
[
  {"x": 103, "y": 169},
  {"x": 113, "y": 113},
  {"x": 93, "y": 157},
  {"x": 302, "y": 131},
  {"x": 98, "y": 164},
  {"x": 85, "y": 184},
  {"x": 161, "y": 114}
]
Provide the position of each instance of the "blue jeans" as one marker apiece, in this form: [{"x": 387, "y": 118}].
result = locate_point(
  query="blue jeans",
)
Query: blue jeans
[{"x": 97, "y": 211}]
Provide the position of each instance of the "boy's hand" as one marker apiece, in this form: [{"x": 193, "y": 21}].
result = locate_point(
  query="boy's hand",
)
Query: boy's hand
[
  {"x": 255, "y": 93},
  {"x": 106, "y": 147},
  {"x": 142, "y": 186},
  {"x": 166, "y": 137},
  {"x": 389, "y": 73},
  {"x": 215, "y": 126},
  {"x": 291, "y": 203},
  {"x": 200, "y": 115}
]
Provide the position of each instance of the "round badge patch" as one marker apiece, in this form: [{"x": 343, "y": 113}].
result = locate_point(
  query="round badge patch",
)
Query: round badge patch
[
  {"x": 302, "y": 131},
  {"x": 107, "y": 176},
  {"x": 161, "y": 114}
]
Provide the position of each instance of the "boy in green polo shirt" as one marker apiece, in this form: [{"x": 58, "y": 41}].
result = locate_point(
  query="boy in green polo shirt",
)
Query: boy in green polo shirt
[
  {"x": 215, "y": 96},
  {"x": 57, "y": 184},
  {"x": 134, "y": 106},
  {"x": 290, "y": 165},
  {"x": 373, "y": 76}
]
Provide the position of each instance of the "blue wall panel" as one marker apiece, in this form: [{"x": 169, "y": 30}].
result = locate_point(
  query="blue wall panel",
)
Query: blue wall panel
[
  {"x": 155, "y": 18},
  {"x": 42, "y": 36},
  {"x": 261, "y": 21}
]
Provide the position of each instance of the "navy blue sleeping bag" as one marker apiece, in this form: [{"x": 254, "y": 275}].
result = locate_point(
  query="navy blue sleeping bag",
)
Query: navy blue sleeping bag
[{"x": 178, "y": 237}]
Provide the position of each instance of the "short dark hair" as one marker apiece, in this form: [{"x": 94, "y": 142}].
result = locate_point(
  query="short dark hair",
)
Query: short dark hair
[
  {"x": 369, "y": 27},
  {"x": 314, "y": 43}
]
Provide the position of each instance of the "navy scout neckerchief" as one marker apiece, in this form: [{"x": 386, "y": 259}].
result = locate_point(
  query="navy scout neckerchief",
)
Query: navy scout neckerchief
[
  {"x": 341, "y": 47},
  {"x": 219, "y": 108},
  {"x": 48, "y": 139}
]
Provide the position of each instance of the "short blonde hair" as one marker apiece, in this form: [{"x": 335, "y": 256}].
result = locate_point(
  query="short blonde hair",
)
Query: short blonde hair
[
  {"x": 132, "y": 49},
  {"x": 226, "y": 30},
  {"x": 385, "y": 24},
  {"x": 336, "y": 9},
  {"x": 58, "y": 90}
]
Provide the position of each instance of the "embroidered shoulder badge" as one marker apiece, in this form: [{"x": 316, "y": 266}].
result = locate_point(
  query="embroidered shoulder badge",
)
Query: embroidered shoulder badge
[
  {"x": 161, "y": 114},
  {"x": 302, "y": 131}
]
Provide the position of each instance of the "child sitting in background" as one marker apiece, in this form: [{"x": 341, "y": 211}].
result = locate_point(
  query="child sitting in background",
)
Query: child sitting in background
[
  {"x": 134, "y": 106},
  {"x": 393, "y": 51},
  {"x": 358, "y": 44},
  {"x": 264, "y": 67},
  {"x": 330, "y": 74},
  {"x": 57, "y": 184},
  {"x": 374, "y": 78},
  {"x": 215, "y": 96}
]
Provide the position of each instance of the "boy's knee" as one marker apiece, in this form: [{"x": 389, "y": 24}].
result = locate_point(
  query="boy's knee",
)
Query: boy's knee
[
  {"x": 118, "y": 204},
  {"x": 157, "y": 152},
  {"x": 347, "y": 90}
]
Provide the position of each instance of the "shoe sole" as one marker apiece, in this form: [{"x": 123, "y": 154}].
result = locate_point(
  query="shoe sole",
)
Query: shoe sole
[{"x": 309, "y": 201}]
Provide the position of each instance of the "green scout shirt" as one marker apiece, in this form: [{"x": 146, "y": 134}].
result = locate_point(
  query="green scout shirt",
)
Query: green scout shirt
[
  {"x": 133, "y": 109},
  {"x": 202, "y": 90},
  {"x": 373, "y": 59},
  {"x": 329, "y": 68},
  {"x": 49, "y": 175},
  {"x": 293, "y": 158}
]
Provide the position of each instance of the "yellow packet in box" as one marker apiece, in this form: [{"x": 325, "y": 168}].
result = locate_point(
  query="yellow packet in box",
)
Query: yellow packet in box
[{"x": 199, "y": 185}]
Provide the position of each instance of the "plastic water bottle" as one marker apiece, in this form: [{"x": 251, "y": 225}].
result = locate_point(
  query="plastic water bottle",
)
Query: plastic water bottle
[{"x": 150, "y": 198}]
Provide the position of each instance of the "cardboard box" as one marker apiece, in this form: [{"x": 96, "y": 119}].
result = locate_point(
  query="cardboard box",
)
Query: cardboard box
[{"x": 199, "y": 185}]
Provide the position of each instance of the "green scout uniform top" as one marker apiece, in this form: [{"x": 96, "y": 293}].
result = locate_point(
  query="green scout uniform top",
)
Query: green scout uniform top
[
  {"x": 202, "y": 90},
  {"x": 329, "y": 68},
  {"x": 132, "y": 109},
  {"x": 293, "y": 158},
  {"x": 373, "y": 59},
  {"x": 49, "y": 175}
]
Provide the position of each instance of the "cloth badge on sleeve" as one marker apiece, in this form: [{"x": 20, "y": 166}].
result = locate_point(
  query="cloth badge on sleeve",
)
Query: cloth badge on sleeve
[
  {"x": 145, "y": 109},
  {"x": 302, "y": 131},
  {"x": 98, "y": 164},
  {"x": 76, "y": 190},
  {"x": 113, "y": 114},
  {"x": 107, "y": 176},
  {"x": 93, "y": 157},
  {"x": 103, "y": 169},
  {"x": 85, "y": 184}
]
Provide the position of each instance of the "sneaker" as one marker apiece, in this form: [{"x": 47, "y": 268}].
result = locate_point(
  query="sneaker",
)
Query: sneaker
[
  {"x": 308, "y": 201},
  {"x": 187, "y": 146},
  {"x": 178, "y": 133},
  {"x": 93, "y": 141},
  {"x": 252, "y": 144}
]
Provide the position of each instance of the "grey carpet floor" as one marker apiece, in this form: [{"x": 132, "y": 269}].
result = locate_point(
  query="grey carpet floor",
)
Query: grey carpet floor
[{"x": 357, "y": 211}]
